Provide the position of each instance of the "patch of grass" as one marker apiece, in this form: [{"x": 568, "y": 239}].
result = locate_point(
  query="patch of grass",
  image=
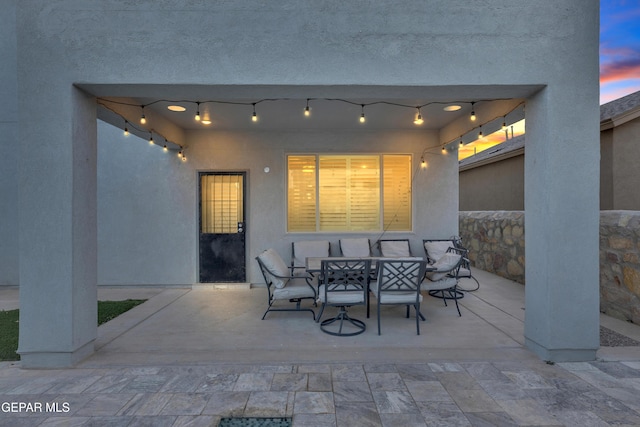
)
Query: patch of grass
[
  {"x": 9, "y": 335},
  {"x": 107, "y": 310}
]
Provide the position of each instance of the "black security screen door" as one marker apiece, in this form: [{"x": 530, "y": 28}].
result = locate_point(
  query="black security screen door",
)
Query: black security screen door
[{"x": 222, "y": 227}]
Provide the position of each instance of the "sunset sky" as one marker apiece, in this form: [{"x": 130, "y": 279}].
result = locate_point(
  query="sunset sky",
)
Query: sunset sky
[{"x": 619, "y": 48}]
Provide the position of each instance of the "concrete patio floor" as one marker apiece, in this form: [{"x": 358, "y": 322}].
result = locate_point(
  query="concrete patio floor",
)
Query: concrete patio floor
[{"x": 188, "y": 357}]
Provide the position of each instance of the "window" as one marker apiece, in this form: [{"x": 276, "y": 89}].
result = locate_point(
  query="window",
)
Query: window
[{"x": 349, "y": 192}]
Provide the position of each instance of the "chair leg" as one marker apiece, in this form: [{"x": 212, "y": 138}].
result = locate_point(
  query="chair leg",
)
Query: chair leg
[
  {"x": 320, "y": 314},
  {"x": 418, "y": 314}
]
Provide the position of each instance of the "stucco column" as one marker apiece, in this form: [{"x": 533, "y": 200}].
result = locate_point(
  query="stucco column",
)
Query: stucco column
[
  {"x": 561, "y": 222},
  {"x": 58, "y": 244}
]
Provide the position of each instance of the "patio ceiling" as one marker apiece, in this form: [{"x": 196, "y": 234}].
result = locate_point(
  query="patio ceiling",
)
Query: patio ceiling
[{"x": 282, "y": 107}]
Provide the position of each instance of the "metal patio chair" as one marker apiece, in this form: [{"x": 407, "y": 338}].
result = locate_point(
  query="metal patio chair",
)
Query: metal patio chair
[
  {"x": 282, "y": 286},
  {"x": 435, "y": 248},
  {"x": 343, "y": 283},
  {"x": 441, "y": 281},
  {"x": 398, "y": 283}
]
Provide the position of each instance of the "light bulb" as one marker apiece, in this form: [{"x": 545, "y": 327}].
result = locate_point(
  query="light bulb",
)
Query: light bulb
[
  {"x": 165, "y": 149},
  {"x": 444, "y": 149},
  {"x": 184, "y": 158},
  {"x": 504, "y": 125},
  {"x": 473, "y": 113},
  {"x": 254, "y": 117},
  {"x": 151, "y": 140},
  {"x": 423, "y": 163},
  {"x": 480, "y": 135},
  {"x": 418, "y": 120},
  {"x": 126, "y": 131},
  {"x": 180, "y": 153},
  {"x": 307, "y": 112},
  {"x": 143, "y": 119},
  {"x": 197, "y": 112},
  {"x": 362, "y": 118}
]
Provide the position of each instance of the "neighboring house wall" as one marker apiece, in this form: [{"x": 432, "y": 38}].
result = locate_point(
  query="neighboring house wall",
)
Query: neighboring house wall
[
  {"x": 493, "y": 186},
  {"x": 625, "y": 145}
]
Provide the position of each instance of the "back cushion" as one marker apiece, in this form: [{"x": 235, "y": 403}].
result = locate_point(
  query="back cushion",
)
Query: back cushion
[
  {"x": 355, "y": 247},
  {"x": 443, "y": 266},
  {"x": 395, "y": 248},
  {"x": 436, "y": 250},
  {"x": 274, "y": 263},
  {"x": 309, "y": 248}
]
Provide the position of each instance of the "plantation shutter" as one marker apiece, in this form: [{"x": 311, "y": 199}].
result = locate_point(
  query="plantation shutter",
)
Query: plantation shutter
[
  {"x": 301, "y": 193},
  {"x": 349, "y": 194},
  {"x": 397, "y": 192}
]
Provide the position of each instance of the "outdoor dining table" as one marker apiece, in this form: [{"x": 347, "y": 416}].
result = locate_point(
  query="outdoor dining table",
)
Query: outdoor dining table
[{"x": 314, "y": 264}]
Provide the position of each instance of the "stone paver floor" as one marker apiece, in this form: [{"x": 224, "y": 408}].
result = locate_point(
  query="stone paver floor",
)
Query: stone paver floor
[{"x": 498, "y": 393}]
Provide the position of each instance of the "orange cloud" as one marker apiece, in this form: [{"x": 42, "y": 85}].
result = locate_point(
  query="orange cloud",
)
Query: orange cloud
[{"x": 619, "y": 64}]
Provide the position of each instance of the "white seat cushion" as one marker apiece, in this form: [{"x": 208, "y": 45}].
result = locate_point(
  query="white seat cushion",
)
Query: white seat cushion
[
  {"x": 342, "y": 297},
  {"x": 437, "y": 249},
  {"x": 443, "y": 266},
  {"x": 442, "y": 284},
  {"x": 296, "y": 288},
  {"x": 394, "y": 297},
  {"x": 274, "y": 263},
  {"x": 355, "y": 247}
]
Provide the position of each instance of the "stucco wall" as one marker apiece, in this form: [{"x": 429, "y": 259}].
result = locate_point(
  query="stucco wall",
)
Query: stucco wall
[
  {"x": 625, "y": 171},
  {"x": 147, "y": 199},
  {"x": 9, "y": 272},
  {"x": 494, "y": 186}
]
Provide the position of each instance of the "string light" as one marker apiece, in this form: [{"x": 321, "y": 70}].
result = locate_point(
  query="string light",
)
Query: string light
[
  {"x": 307, "y": 111},
  {"x": 423, "y": 162},
  {"x": 197, "y": 112},
  {"x": 164, "y": 148},
  {"x": 418, "y": 120}
]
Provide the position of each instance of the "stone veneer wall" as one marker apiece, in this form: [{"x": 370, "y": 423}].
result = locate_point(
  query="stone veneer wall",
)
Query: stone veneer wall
[
  {"x": 496, "y": 244},
  {"x": 620, "y": 264},
  {"x": 495, "y": 240}
]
